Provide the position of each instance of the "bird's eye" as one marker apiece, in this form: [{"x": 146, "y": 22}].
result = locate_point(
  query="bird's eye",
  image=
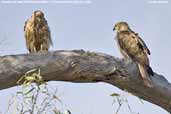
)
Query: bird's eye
[{"x": 116, "y": 27}]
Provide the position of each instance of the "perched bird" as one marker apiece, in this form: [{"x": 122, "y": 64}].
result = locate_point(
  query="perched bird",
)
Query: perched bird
[
  {"x": 133, "y": 47},
  {"x": 37, "y": 33}
]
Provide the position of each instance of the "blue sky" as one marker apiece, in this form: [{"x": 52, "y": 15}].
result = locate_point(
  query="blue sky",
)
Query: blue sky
[{"x": 89, "y": 27}]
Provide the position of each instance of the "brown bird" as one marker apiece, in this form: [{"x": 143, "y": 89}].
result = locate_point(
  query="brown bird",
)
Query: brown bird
[
  {"x": 37, "y": 33},
  {"x": 133, "y": 47}
]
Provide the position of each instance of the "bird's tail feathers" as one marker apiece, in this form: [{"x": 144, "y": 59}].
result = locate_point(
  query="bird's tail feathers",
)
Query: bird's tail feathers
[
  {"x": 150, "y": 71},
  {"x": 145, "y": 76}
]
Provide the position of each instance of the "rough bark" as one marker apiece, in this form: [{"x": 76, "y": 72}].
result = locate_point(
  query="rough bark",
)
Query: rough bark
[{"x": 81, "y": 67}]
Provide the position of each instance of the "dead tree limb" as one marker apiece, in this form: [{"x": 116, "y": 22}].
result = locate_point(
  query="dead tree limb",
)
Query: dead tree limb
[{"x": 81, "y": 67}]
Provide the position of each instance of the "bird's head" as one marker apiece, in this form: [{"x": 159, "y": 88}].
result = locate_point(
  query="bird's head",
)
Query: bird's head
[
  {"x": 37, "y": 15},
  {"x": 121, "y": 26}
]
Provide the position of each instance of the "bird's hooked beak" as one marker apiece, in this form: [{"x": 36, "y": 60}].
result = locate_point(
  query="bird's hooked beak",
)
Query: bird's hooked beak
[{"x": 114, "y": 29}]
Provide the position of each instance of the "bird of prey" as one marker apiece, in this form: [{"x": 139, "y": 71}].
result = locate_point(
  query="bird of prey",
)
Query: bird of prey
[
  {"x": 134, "y": 48},
  {"x": 37, "y": 33}
]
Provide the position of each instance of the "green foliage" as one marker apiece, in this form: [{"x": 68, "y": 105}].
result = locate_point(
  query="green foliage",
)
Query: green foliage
[
  {"x": 30, "y": 77},
  {"x": 115, "y": 95},
  {"x": 35, "y": 97},
  {"x": 121, "y": 100}
]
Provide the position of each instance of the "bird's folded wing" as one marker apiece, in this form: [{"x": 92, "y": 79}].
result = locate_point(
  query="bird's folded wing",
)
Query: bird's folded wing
[{"x": 141, "y": 43}]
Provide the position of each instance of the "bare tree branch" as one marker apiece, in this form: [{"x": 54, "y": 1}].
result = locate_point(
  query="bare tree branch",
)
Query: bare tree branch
[{"x": 81, "y": 67}]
